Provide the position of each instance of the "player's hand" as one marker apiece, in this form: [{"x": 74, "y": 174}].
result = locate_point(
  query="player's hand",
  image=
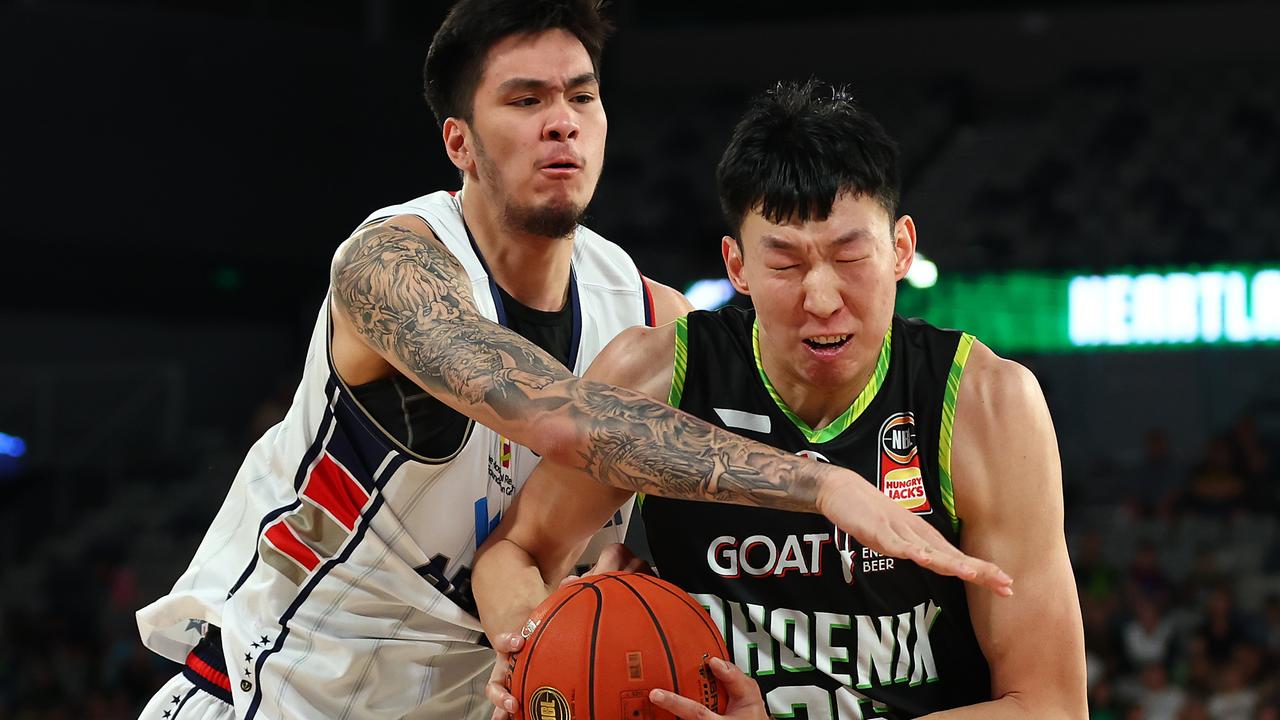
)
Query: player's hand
[
  {"x": 614, "y": 556},
  {"x": 745, "y": 702},
  {"x": 860, "y": 509},
  {"x": 504, "y": 704}
]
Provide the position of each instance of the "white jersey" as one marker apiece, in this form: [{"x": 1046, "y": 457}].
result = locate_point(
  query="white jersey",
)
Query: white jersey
[{"x": 338, "y": 566}]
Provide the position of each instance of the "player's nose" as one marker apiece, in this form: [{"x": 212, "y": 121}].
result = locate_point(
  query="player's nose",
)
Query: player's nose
[
  {"x": 561, "y": 126},
  {"x": 821, "y": 295}
]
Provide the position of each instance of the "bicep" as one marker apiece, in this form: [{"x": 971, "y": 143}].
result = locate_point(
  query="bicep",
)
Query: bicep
[
  {"x": 1009, "y": 496},
  {"x": 402, "y": 292}
]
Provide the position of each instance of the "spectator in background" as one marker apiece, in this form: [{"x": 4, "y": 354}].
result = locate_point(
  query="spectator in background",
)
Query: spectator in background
[
  {"x": 1235, "y": 700},
  {"x": 1158, "y": 699},
  {"x": 1195, "y": 672},
  {"x": 1216, "y": 488},
  {"x": 1194, "y": 709},
  {"x": 1103, "y": 704},
  {"x": 1147, "y": 580},
  {"x": 1147, "y": 635},
  {"x": 1270, "y": 627},
  {"x": 1222, "y": 630},
  {"x": 1205, "y": 575},
  {"x": 1158, "y": 479},
  {"x": 1252, "y": 461},
  {"x": 1096, "y": 578}
]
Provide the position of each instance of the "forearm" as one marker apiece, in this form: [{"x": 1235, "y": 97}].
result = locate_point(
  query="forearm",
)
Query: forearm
[
  {"x": 507, "y": 586},
  {"x": 409, "y": 300}
]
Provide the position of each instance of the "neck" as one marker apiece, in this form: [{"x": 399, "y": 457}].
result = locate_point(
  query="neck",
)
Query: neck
[
  {"x": 532, "y": 269},
  {"x": 816, "y": 406}
]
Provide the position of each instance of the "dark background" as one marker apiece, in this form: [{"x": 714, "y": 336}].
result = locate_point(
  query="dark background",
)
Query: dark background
[{"x": 176, "y": 177}]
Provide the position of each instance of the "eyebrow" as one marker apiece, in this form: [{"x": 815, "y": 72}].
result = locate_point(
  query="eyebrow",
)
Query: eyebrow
[
  {"x": 773, "y": 242},
  {"x": 534, "y": 84}
]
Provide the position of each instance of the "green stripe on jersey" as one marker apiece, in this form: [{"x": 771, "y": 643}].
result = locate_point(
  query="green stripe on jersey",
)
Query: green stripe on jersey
[
  {"x": 681, "y": 362},
  {"x": 860, "y": 403},
  {"x": 948, "y": 426}
]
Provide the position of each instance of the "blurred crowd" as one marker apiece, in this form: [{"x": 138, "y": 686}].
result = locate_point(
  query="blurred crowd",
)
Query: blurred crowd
[{"x": 1177, "y": 585}]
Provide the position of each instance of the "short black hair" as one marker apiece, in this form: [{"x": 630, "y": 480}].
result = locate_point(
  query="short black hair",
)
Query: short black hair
[
  {"x": 455, "y": 61},
  {"x": 797, "y": 148}
]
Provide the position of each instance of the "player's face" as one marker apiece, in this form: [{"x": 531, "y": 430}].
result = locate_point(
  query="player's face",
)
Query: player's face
[
  {"x": 823, "y": 291},
  {"x": 538, "y": 129}
]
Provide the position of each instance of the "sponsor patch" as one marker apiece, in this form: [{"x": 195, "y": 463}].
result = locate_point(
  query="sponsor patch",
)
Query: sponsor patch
[
  {"x": 900, "y": 476},
  {"x": 548, "y": 703},
  {"x": 501, "y": 472}
]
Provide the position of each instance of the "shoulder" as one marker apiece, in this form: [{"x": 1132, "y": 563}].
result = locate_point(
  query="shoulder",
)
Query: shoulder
[
  {"x": 994, "y": 385},
  {"x": 668, "y": 303},
  {"x": 633, "y": 359},
  {"x": 398, "y": 233}
]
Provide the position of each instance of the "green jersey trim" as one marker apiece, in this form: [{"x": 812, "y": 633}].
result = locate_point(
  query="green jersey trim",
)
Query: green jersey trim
[
  {"x": 847, "y": 418},
  {"x": 681, "y": 365},
  {"x": 948, "y": 425}
]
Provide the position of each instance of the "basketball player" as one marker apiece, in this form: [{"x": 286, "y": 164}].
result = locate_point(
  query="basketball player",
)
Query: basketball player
[
  {"x": 334, "y": 581},
  {"x": 822, "y": 367}
]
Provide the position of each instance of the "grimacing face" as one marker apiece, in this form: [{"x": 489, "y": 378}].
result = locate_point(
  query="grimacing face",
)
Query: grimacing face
[
  {"x": 823, "y": 291},
  {"x": 537, "y": 132}
]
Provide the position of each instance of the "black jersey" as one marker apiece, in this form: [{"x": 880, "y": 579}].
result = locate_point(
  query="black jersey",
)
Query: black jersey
[{"x": 828, "y": 628}]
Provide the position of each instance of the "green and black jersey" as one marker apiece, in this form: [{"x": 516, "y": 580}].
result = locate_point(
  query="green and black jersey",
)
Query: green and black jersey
[{"x": 828, "y": 628}]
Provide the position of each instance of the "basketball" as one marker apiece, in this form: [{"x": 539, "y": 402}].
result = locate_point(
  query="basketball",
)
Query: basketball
[{"x": 597, "y": 646}]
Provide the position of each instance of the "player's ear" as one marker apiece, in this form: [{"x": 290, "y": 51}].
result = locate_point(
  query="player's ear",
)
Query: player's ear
[
  {"x": 731, "y": 251},
  {"x": 904, "y": 245},
  {"x": 457, "y": 143}
]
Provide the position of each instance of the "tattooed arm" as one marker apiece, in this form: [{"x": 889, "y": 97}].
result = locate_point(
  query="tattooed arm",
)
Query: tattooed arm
[{"x": 400, "y": 291}]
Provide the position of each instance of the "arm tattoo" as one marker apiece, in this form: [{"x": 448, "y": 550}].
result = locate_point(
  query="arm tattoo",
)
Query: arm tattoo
[
  {"x": 411, "y": 299},
  {"x": 641, "y": 445}
]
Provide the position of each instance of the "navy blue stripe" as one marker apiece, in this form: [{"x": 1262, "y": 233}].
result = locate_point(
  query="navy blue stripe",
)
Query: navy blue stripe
[
  {"x": 493, "y": 284},
  {"x": 309, "y": 457},
  {"x": 319, "y": 575},
  {"x": 646, "y": 299},
  {"x": 178, "y": 709},
  {"x": 358, "y": 458},
  {"x": 202, "y": 684},
  {"x": 576, "y": 309}
]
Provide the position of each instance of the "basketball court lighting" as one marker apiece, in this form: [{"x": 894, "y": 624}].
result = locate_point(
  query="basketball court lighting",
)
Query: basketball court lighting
[
  {"x": 710, "y": 294},
  {"x": 923, "y": 273}
]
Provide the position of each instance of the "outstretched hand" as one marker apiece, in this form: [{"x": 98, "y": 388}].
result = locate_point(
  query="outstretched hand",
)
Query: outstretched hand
[{"x": 860, "y": 509}]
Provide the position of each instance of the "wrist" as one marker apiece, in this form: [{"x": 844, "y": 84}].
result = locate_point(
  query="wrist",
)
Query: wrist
[{"x": 833, "y": 483}]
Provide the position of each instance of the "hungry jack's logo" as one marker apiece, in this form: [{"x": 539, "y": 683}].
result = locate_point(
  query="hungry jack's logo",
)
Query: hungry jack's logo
[{"x": 900, "y": 477}]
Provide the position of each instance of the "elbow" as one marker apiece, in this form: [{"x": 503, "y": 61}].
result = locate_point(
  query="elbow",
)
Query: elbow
[
  {"x": 1061, "y": 707},
  {"x": 560, "y": 441}
]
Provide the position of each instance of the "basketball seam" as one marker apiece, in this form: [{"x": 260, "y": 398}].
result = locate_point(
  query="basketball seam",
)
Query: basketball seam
[
  {"x": 524, "y": 677},
  {"x": 591, "y": 667},
  {"x": 662, "y": 635},
  {"x": 689, "y": 603}
]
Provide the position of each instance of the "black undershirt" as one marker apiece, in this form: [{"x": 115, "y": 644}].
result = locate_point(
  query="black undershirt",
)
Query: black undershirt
[{"x": 434, "y": 430}]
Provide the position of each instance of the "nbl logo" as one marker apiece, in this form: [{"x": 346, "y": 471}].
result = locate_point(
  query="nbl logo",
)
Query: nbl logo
[
  {"x": 900, "y": 477},
  {"x": 898, "y": 438}
]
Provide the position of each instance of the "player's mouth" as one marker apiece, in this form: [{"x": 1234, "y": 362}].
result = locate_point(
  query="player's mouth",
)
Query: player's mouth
[
  {"x": 827, "y": 344},
  {"x": 561, "y": 167}
]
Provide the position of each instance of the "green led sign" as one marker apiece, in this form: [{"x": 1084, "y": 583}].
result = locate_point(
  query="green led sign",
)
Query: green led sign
[{"x": 1043, "y": 312}]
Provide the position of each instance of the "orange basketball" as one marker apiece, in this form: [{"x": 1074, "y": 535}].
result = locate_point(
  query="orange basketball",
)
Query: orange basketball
[{"x": 597, "y": 646}]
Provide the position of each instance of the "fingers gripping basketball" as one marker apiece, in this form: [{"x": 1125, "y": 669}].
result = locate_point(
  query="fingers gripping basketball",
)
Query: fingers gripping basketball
[{"x": 597, "y": 646}]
